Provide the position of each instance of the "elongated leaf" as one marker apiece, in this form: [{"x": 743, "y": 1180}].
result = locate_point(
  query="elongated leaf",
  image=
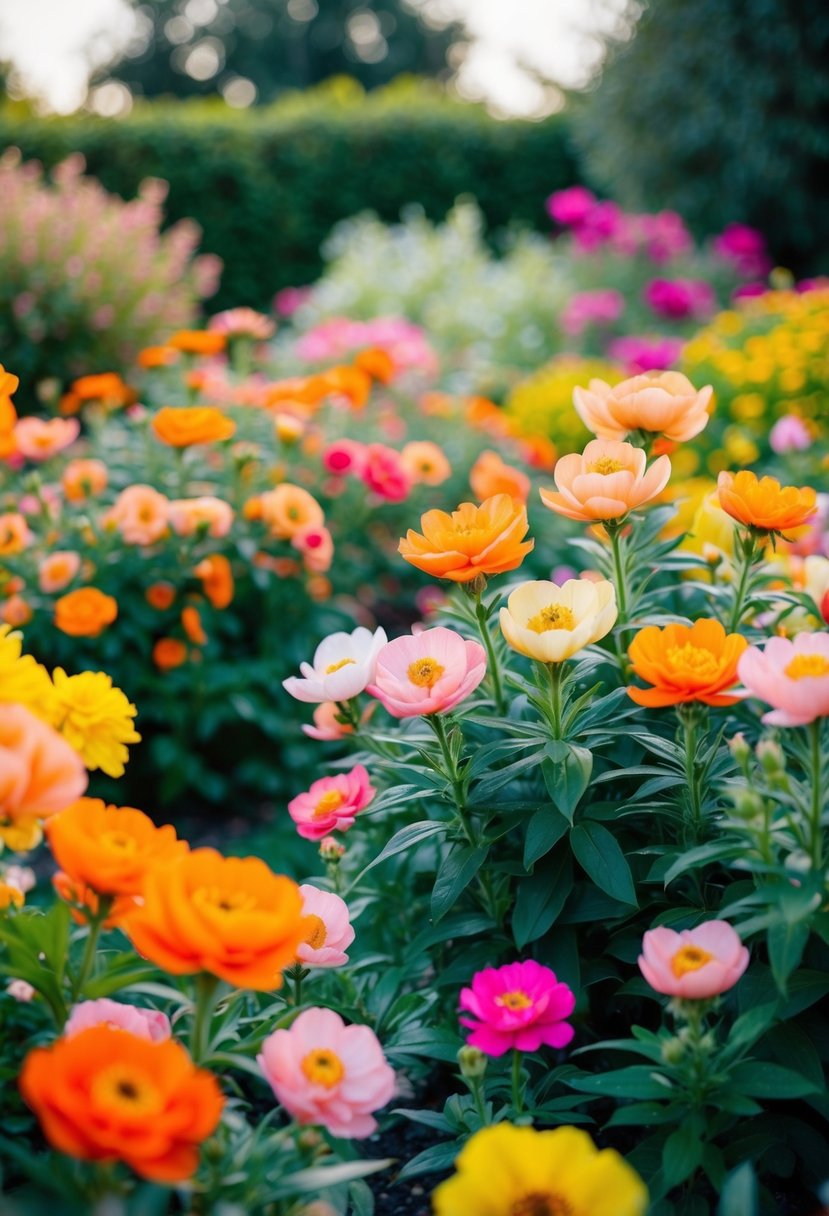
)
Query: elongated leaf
[
  {"x": 682, "y": 1154},
  {"x": 433, "y": 1160},
  {"x": 739, "y": 1193},
  {"x": 546, "y": 828},
  {"x": 639, "y": 1081},
  {"x": 459, "y": 867},
  {"x": 406, "y": 838},
  {"x": 760, "y": 1079},
  {"x": 541, "y": 897},
  {"x": 566, "y": 770},
  {"x": 786, "y": 943},
  {"x": 598, "y": 853}
]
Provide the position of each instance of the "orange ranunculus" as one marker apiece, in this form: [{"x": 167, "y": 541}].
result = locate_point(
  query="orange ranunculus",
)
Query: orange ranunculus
[
  {"x": 85, "y": 613},
  {"x": 764, "y": 503},
  {"x": 377, "y": 363},
  {"x": 216, "y": 578},
  {"x": 40, "y": 774},
  {"x": 198, "y": 342},
  {"x": 85, "y": 904},
  {"x": 160, "y": 596},
  {"x": 182, "y": 426},
  {"x": 191, "y": 623},
  {"x": 156, "y": 356},
  {"x": 488, "y": 539},
  {"x": 230, "y": 916},
  {"x": 288, "y": 509},
  {"x": 425, "y": 463},
  {"x": 662, "y": 403},
  {"x": 14, "y": 533},
  {"x": 84, "y": 479},
  {"x": 169, "y": 653},
  {"x": 489, "y": 475},
  {"x": 107, "y": 388},
  {"x": 685, "y": 663},
  {"x": 104, "y": 1094}
]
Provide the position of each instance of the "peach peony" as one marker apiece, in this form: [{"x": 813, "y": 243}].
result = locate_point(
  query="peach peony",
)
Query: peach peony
[
  {"x": 288, "y": 510},
  {"x": 40, "y": 774},
  {"x": 39, "y": 439},
  {"x": 695, "y": 964},
  {"x": 57, "y": 570},
  {"x": 662, "y": 403},
  {"x": 425, "y": 463},
  {"x": 207, "y": 516},
  {"x": 605, "y": 482},
  {"x": 427, "y": 673},
  {"x": 84, "y": 479},
  {"x": 140, "y": 514},
  {"x": 472, "y": 541}
]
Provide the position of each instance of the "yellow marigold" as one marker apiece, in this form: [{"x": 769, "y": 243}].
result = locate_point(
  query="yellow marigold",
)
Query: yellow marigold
[
  {"x": 22, "y": 678},
  {"x": 10, "y": 896},
  {"x": 95, "y": 718},
  {"x": 543, "y": 403}
]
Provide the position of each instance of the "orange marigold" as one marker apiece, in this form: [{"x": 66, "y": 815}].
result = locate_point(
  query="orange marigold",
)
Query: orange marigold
[
  {"x": 230, "y": 916},
  {"x": 377, "y": 363},
  {"x": 107, "y": 1095},
  {"x": 182, "y": 426},
  {"x": 216, "y": 579},
  {"x": 488, "y": 539},
  {"x": 191, "y": 623},
  {"x": 160, "y": 596},
  {"x": 685, "y": 663},
  {"x": 85, "y": 613},
  {"x": 763, "y": 503},
  {"x": 169, "y": 653},
  {"x": 197, "y": 342}
]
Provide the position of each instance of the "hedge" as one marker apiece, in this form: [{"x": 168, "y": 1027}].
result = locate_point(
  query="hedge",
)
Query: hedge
[{"x": 267, "y": 185}]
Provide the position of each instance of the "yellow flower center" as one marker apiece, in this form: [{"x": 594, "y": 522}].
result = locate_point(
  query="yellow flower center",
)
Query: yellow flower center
[
  {"x": 130, "y": 1092},
  {"x": 689, "y": 958},
  {"x": 224, "y": 901},
  {"x": 694, "y": 661},
  {"x": 120, "y": 842},
  {"x": 316, "y": 935},
  {"x": 540, "y": 1203},
  {"x": 513, "y": 1000},
  {"x": 805, "y": 665},
  {"x": 332, "y": 667},
  {"x": 425, "y": 673},
  {"x": 554, "y": 616},
  {"x": 332, "y": 801},
  {"x": 605, "y": 465},
  {"x": 323, "y": 1067}
]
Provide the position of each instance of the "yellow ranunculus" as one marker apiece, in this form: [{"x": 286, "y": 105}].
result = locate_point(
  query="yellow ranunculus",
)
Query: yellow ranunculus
[
  {"x": 552, "y": 623},
  {"x": 96, "y": 719},
  {"x": 505, "y": 1170}
]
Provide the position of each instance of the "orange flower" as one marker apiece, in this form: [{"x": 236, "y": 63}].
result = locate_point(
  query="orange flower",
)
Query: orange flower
[
  {"x": 40, "y": 773},
  {"x": 764, "y": 503},
  {"x": 216, "y": 579},
  {"x": 83, "y": 479},
  {"x": 488, "y": 539},
  {"x": 8, "y": 414},
  {"x": 180, "y": 427},
  {"x": 538, "y": 451},
  {"x": 107, "y": 388},
  {"x": 57, "y": 570},
  {"x": 14, "y": 533},
  {"x": 377, "y": 363},
  {"x": 425, "y": 463},
  {"x": 485, "y": 415},
  {"x": 191, "y": 622},
  {"x": 8, "y": 383},
  {"x": 230, "y": 916},
  {"x": 663, "y": 403},
  {"x": 156, "y": 356},
  {"x": 489, "y": 475},
  {"x": 685, "y": 663},
  {"x": 15, "y": 611},
  {"x": 85, "y": 613},
  {"x": 85, "y": 905},
  {"x": 350, "y": 382},
  {"x": 289, "y": 509},
  {"x": 107, "y": 1095},
  {"x": 169, "y": 653},
  {"x": 110, "y": 849},
  {"x": 160, "y": 596},
  {"x": 197, "y": 342}
]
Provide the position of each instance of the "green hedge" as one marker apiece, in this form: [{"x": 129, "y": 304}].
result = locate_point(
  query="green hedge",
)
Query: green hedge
[{"x": 267, "y": 186}]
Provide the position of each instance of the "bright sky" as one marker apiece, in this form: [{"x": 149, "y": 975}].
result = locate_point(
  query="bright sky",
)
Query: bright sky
[{"x": 49, "y": 41}]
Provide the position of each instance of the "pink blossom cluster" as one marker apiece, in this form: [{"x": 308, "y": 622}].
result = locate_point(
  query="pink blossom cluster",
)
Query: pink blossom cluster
[
  {"x": 680, "y": 299},
  {"x": 744, "y": 248},
  {"x": 587, "y": 308},
  {"x": 598, "y": 224},
  {"x": 404, "y": 342},
  {"x": 645, "y": 353}
]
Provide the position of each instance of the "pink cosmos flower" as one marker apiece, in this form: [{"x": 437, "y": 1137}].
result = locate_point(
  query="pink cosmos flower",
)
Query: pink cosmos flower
[
  {"x": 330, "y": 932},
  {"x": 520, "y": 1005},
  {"x": 695, "y": 964},
  {"x": 331, "y": 804},
  {"x": 385, "y": 473},
  {"x": 572, "y": 206},
  {"x": 790, "y": 434},
  {"x": 345, "y": 457},
  {"x": 427, "y": 673},
  {"x": 791, "y": 676},
  {"x": 39, "y": 439},
  {"x": 325, "y": 1072},
  {"x": 208, "y": 514},
  {"x": 149, "y": 1024}
]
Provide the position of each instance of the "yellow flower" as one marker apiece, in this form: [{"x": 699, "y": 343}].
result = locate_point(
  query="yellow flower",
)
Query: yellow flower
[
  {"x": 22, "y": 678},
  {"x": 711, "y": 530},
  {"x": 95, "y": 718},
  {"x": 506, "y": 1170},
  {"x": 543, "y": 403},
  {"x": 10, "y": 896},
  {"x": 21, "y": 837},
  {"x": 552, "y": 623}
]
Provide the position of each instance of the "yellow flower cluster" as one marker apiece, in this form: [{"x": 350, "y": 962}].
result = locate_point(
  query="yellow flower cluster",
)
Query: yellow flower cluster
[{"x": 543, "y": 403}]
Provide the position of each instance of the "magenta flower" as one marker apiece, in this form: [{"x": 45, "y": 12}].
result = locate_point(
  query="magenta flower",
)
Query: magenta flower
[
  {"x": 676, "y": 299},
  {"x": 149, "y": 1024},
  {"x": 572, "y": 206},
  {"x": 521, "y": 1005},
  {"x": 385, "y": 473},
  {"x": 745, "y": 248},
  {"x": 695, "y": 964},
  {"x": 791, "y": 676},
  {"x": 331, "y": 804},
  {"x": 344, "y": 457},
  {"x": 645, "y": 354},
  {"x": 427, "y": 673}
]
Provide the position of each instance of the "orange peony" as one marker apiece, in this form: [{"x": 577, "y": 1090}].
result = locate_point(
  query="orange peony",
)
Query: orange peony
[
  {"x": 685, "y": 663},
  {"x": 169, "y": 653},
  {"x": 107, "y": 1095},
  {"x": 85, "y": 613},
  {"x": 289, "y": 509},
  {"x": 488, "y": 539},
  {"x": 182, "y": 426},
  {"x": 14, "y": 533},
  {"x": 662, "y": 403},
  {"x": 84, "y": 479},
  {"x": 197, "y": 342},
  {"x": 489, "y": 475},
  {"x": 425, "y": 463},
  {"x": 230, "y": 916},
  {"x": 216, "y": 579},
  {"x": 763, "y": 503}
]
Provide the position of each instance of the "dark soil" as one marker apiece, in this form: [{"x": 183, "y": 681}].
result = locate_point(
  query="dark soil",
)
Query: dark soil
[{"x": 411, "y": 1197}]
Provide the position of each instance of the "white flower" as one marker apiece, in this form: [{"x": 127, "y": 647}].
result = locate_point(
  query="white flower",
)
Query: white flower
[{"x": 344, "y": 663}]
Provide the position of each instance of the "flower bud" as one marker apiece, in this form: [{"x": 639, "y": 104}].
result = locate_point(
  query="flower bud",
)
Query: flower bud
[
  {"x": 771, "y": 757},
  {"x": 472, "y": 1063},
  {"x": 673, "y": 1050},
  {"x": 739, "y": 748},
  {"x": 747, "y": 804},
  {"x": 331, "y": 851}
]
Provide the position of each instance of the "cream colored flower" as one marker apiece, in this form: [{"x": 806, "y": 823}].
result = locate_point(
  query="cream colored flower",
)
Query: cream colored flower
[{"x": 552, "y": 623}]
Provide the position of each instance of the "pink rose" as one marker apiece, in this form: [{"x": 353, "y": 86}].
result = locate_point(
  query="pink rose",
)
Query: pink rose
[
  {"x": 695, "y": 964},
  {"x": 521, "y": 1006}
]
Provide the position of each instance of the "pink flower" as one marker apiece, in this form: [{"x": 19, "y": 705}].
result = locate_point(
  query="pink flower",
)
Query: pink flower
[
  {"x": 326, "y": 727},
  {"x": 39, "y": 439},
  {"x": 289, "y": 299},
  {"x": 331, "y": 804},
  {"x": 140, "y": 514},
  {"x": 427, "y": 673},
  {"x": 149, "y": 1024},
  {"x": 695, "y": 964},
  {"x": 317, "y": 548},
  {"x": 572, "y": 206},
  {"x": 385, "y": 473},
  {"x": 645, "y": 354},
  {"x": 586, "y": 308},
  {"x": 325, "y": 1072},
  {"x": 791, "y": 676},
  {"x": 243, "y": 323},
  {"x": 57, "y": 570},
  {"x": 790, "y": 434},
  {"x": 344, "y": 458},
  {"x": 745, "y": 248},
  {"x": 20, "y": 990},
  {"x": 329, "y": 932},
  {"x": 680, "y": 298},
  {"x": 521, "y": 1005}
]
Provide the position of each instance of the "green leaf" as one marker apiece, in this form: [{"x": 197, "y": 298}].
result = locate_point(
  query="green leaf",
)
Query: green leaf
[
  {"x": 638, "y": 1081},
  {"x": 682, "y": 1154},
  {"x": 541, "y": 897},
  {"x": 433, "y": 1160},
  {"x": 599, "y": 855},
  {"x": 545, "y": 829},
  {"x": 413, "y": 834},
  {"x": 459, "y": 867},
  {"x": 566, "y": 772},
  {"x": 760, "y": 1079},
  {"x": 786, "y": 942},
  {"x": 739, "y": 1193}
]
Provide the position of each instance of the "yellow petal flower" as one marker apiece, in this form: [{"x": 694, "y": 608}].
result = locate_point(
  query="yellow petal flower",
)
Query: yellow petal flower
[{"x": 551, "y": 623}]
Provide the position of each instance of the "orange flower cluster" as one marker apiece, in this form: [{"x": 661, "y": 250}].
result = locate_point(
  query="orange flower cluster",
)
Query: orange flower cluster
[{"x": 182, "y": 427}]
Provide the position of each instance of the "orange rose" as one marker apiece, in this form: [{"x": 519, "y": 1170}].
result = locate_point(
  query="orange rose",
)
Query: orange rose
[
  {"x": 197, "y": 342},
  {"x": 107, "y": 1095},
  {"x": 216, "y": 579},
  {"x": 490, "y": 475},
  {"x": 764, "y": 503},
  {"x": 488, "y": 539},
  {"x": 191, "y": 623},
  {"x": 160, "y": 595},
  {"x": 169, "y": 653},
  {"x": 289, "y": 509},
  {"x": 230, "y": 916},
  {"x": 685, "y": 663},
  {"x": 180, "y": 427},
  {"x": 83, "y": 479},
  {"x": 85, "y": 613}
]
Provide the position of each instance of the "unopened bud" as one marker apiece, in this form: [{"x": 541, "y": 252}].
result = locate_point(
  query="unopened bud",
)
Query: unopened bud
[
  {"x": 799, "y": 861},
  {"x": 771, "y": 757},
  {"x": 739, "y": 748},
  {"x": 748, "y": 805},
  {"x": 331, "y": 851},
  {"x": 309, "y": 1138},
  {"x": 472, "y": 1063},
  {"x": 673, "y": 1050}
]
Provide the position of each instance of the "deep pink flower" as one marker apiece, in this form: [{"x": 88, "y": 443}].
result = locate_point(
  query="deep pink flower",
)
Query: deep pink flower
[
  {"x": 695, "y": 964},
  {"x": 289, "y": 299},
  {"x": 344, "y": 457},
  {"x": 646, "y": 354},
  {"x": 677, "y": 299},
  {"x": 331, "y": 804},
  {"x": 427, "y": 673},
  {"x": 791, "y": 676},
  {"x": 149, "y": 1024},
  {"x": 330, "y": 932},
  {"x": 385, "y": 473},
  {"x": 745, "y": 248},
  {"x": 521, "y": 1005},
  {"x": 572, "y": 206}
]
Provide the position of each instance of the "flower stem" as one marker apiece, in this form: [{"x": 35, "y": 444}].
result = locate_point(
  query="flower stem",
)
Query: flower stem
[
  {"x": 555, "y": 672},
  {"x": 87, "y": 966},
  {"x": 517, "y": 1082},
  {"x": 688, "y": 721},
  {"x": 620, "y": 582},
  {"x": 816, "y": 796},
  {"x": 749, "y": 552},
  {"x": 204, "y": 999},
  {"x": 494, "y": 666},
  {"x": 451, "y": 773}
]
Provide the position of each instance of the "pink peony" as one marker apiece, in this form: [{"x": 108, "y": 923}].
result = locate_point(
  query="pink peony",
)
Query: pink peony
[
  {"x": 149, "y": 1024},
  {"x": 140, "y": 514},
  {"x": 745, "y": 248},
  {"x": 695, "y": 964},
  {"x": 325, "y": 1072},
  {"x": 645, "y": 354},
  {"x": 586, "y": 308},
  {"x": 790, "y": 434},
  {"x": 39, "y": 438},
  {"x": 572, "y": 206},
  {"x": 331, "y": 804},
  {"x": 344, "y": 458},
  {"x": 677, "y": 299},
  {"x": 521, "y": 1006},
  {"x": 427, "y": 673},
  {"x": 791, "y": 676},
  {"x": 330, "y": 932},
  {"x": 385, "y": 473}
]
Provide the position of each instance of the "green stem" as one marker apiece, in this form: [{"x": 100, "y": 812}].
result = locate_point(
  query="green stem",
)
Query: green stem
[
  {"x": 477, "y": 1090},
  {"x": 517, "y": 1086},
  {"x": 688, "y": 720},
  {"x": 816, "y": 797},
  {"x": 451, "y": 773},
  {"x": 738, "y": 608},
  {"x": 555, "y": 672},
  {"x": 494, "y": 666},
  {"x": 87, "y": 966},
  {"x": 204, "y": 1000},
  {"x": 620, "y": 582}
]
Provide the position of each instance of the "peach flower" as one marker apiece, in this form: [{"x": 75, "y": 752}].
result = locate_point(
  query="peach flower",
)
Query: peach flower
[
  {"x": 425, "y": 463},
  {"x": 331, "y": 804},
  {"x": 208, "y": 515},
  {"x": 289, "y": 509},
  {"x": 14, "y": 533},
  {"x": 57, "y": 570},
  {"x": 791, "y": 676},
  {"x": 149, "y": 1024},
  {"x": 329, "y": 928},
  {"x": 326, "y": 725},
  {"x": 140, "y": 514},
  {"x": 15, "y": 611},
  {"x": 84, "y": 479},
  {"x": 763, "y": 503},
  {"x": 663, "y": 403},
  {"x": 39, "y": 439},
  {"x": 490, "y": 475},
  {"x": 427, "y": 673},
  {"x": 40, "y": 774},
  {"x": 317, "y": 548},
  {"x": 695, "y": 964},
  {"x": 472, "y": 541},
  {"x": 605, "y": 482}
]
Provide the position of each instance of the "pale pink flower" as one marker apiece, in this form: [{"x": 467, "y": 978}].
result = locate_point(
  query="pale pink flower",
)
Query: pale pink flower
[
  {"x": 385, "y": 473},
  {"x": 22, "y": 877},
  {"x": 520, "y": 1005},
  {"x": 140, "y": 514},
  {"x": 332, "y": 803},
  {"x": 327, "y": 1073},
  {"x": 790, "y": 434},
  {"x": 585, "y": 308},
  {"x": 57, "y": 570},
  {"x": 663, "y": 403},
  {"x": 209, "y": 515},
  {"x": 330, "y": 932},
  {"x": 39, "y": 438},
  {"x": 695, "y": 964},
  {"x": 791, "y": 676},
  {"x": 149, "y": 1024},
  {"x": 606, "y": 481},
  {"x": 427, "y": 673},
  {"x": 20, "y": 990},
  {"x": 344, "y": 663},
  {"x": 326, "y": 727},
  {"x": 243, "y": 323}
]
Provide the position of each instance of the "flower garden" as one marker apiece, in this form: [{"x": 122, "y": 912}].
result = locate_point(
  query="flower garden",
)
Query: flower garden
[{"x": 413, "y": 744}]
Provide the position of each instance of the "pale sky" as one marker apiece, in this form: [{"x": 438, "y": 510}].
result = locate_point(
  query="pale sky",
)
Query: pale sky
[{"x": 48, "y": 41}]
